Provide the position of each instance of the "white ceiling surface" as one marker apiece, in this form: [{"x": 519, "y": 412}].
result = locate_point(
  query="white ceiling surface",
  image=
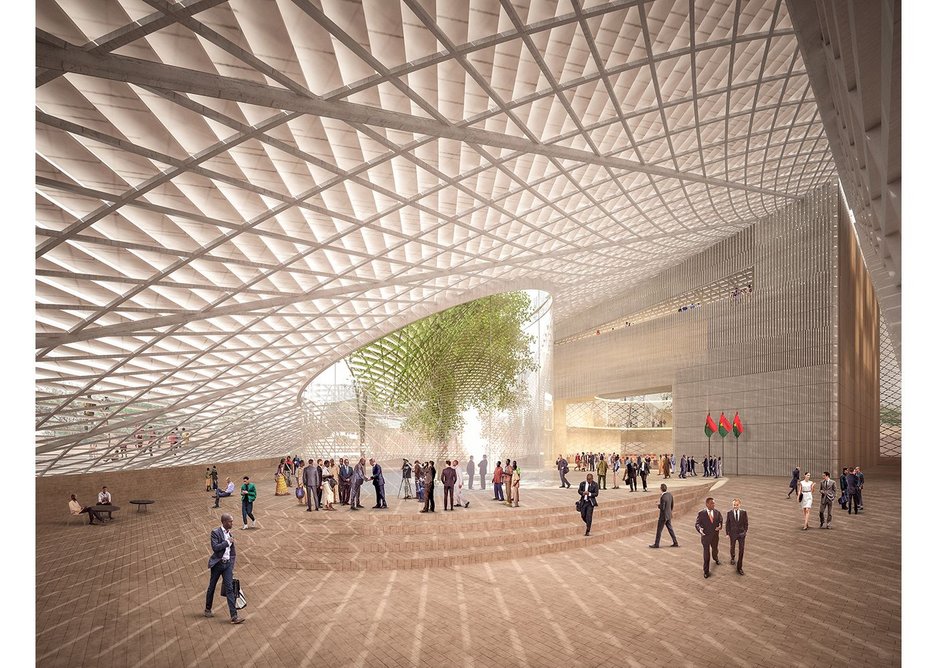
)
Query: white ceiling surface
[{"x": 232, "y": 195}]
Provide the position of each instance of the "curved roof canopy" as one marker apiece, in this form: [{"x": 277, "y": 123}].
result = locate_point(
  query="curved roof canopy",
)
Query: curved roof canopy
[{"x": 233, "y": 194}]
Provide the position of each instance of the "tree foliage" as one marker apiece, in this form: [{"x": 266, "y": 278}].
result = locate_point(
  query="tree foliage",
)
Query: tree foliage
[{"x": 433, "y": 370}]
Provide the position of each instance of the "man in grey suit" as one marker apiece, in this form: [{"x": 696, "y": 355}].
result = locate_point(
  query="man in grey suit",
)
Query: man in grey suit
[
  {"x": 221, "y": 565},
  {"x": 483, "y": 470},
  {"x": 470, "y": 470},
  {"x": 562, "y": 465},
  {"x": 665, "y": 506},
  {"x": 357, "y": 479},
  {"x": 309, "y": 480},
  {"x": 827, "y": 494}
]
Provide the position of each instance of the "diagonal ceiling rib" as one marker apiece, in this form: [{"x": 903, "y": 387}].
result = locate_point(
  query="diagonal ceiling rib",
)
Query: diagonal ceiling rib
[{"x": 231, "y": 195}]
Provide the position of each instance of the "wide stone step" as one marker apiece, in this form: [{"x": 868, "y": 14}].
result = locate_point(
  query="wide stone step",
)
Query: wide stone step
[{"x": 441, "y": 550}]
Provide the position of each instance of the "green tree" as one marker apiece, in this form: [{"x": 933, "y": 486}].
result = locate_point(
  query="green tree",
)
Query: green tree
[{"x": 433, "y": 370}]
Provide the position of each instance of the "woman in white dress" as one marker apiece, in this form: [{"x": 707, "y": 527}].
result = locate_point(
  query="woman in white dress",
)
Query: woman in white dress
[
  {"x": 805, "y": 488},
  {"x": 327, "y": 497}
]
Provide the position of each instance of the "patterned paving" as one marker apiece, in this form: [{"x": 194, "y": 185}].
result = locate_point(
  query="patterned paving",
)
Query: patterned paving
[{"x": 131, "y": 593}]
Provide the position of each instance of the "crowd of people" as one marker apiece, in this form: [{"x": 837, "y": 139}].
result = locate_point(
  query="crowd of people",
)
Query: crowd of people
[{"x": 851, "y": 482}]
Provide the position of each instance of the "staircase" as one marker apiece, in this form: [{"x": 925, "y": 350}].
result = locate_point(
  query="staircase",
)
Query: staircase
[{"x": 441, "y": 539}]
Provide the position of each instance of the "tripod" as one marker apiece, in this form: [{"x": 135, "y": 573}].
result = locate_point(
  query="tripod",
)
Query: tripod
[{"x": 400, "y": 487}]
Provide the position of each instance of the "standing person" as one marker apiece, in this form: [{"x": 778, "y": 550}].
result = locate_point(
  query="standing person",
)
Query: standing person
[
  {"x": 805, "y": 494},
  {"x": 429, "y": 484},
  {"x": 827, "y": 494},
  {"x": 644, "y": 469},
  {"x": 667, "y": 467},
  {"x": 214, "y": 476},
  {"x": 616, "y": 470},
  {"x": 706, "y": 466},
  {"x": 516, "y": 484},
  {"x": 448, "y": 478},
  {"x": 470, "y": 470},
  {"x": 208, "y": 479},
  {"x": 843, "y": 499},
  {"x": 377, "y": 478},
  {"x": 418, "y": 480},
  {"x": 248, "y": 494},
  {"x": 860, "y": 483},
  {"x": 344, "y": 482},
  {"x": 508, "y": 472},
  {"x": 483, "y": 470},
  {"x": 588, "y": 490},
  {"x": 664, "y": 517},
  {"x": 692, "y": 465},
  {"x": 228, "y": 491},
  {"x": 682, "y": 466},
  {"x": 795, "y": 478},
  {"x": 459, "y": 484},
  {"x": 602, "y": 471},
  {"x": 852, "y": 492},
  {"x": 562, "y": 466},
  {"x": 708, "y": 525},
  {"x": 280, "y": 478},
  {"x": 406, "y": 471},
  {"x": 328, "y": 496},
  {"x": 578, "y": 461},
  {"x": 736, "y": 529},
  {"x": 309, "y": 481},
  {"x": 357, "y": 479},
  {"x": 630, "y": 474},
  {"x": 497, "y": 482},
  {"x": 221, "y": 565}
]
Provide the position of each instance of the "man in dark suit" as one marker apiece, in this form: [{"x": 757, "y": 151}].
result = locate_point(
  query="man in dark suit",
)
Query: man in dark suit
[
  {"x": 852, "y": 492},
  {"x": 344, "y": 482},
  {"x": 377, "y": 478},
  {"x": 644, "y": 468},
  {"x": 429, "y": 483},
  {"x": 708, "y": 525},
  {"x": 665, "y": 506},
  {"x": 588, "y": 490},
  {"x": 736, "y": 528},
  {"x": 221, "y": 565},
  {"x": 631, "y": 474},
  {"x": 448, "y": 478}
]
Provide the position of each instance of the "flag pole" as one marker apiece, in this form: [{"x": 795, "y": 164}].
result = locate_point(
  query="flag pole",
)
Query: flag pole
[{"x": 736, "y": 455}]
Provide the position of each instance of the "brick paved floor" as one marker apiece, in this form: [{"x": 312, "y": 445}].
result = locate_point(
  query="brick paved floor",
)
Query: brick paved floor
[{"x": 131, "y": 593}]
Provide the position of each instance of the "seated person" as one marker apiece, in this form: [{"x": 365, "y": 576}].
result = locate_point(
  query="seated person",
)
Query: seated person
[
  {"x": 75, "y": 509},
  {"x": 104, "y": 499},
  {"x": 228, "y": 491}
]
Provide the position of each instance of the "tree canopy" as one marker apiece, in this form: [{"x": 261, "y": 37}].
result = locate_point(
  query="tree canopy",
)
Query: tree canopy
[{"x": 433, "y": 370}]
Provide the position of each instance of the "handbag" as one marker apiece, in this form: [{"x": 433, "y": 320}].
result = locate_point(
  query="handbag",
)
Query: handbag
[
  {"x": 800, "y": 497},
  {"x": 579, "y": 505},
  {"x": 239, "y": 600}
]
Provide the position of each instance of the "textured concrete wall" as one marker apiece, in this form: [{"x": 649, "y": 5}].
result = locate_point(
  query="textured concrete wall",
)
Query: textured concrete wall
[
  {"x": 771, "y": 355},
  {"x": 159, "y": 484}
]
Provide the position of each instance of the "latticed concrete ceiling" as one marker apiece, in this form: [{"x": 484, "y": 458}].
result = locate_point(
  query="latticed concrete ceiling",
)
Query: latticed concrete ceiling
[{"x": 232, "y": 195}]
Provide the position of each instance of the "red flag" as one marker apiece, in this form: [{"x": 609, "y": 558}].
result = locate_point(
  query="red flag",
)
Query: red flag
[
  {"x": 724, "y": 426},
  {"x": 710, "y": 426},
  {"x": 737, "y": 425}
]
